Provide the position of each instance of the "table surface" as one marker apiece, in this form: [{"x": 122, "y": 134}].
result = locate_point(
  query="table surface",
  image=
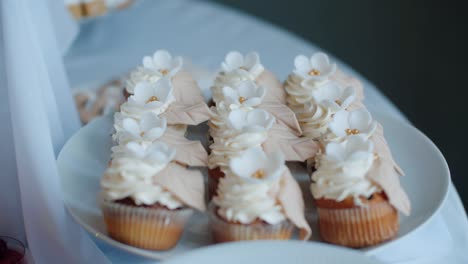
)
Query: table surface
[{"x": 110, "y": 46}]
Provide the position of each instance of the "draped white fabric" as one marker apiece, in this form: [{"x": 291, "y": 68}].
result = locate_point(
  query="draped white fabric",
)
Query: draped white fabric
[{"x": 42, "y": 117}]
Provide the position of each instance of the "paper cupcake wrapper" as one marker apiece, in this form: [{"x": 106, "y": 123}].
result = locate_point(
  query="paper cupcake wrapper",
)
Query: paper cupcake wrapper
[
  {"x": 224, "y": 231},
  {"x": 148, "y": 228},
  {"x": 358, "y": 227}
]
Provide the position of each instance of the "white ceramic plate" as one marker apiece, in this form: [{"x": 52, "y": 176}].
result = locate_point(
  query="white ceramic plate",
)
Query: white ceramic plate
[
  {"x": 273, "y": 252},
  {"x": 84, "y": 158}
]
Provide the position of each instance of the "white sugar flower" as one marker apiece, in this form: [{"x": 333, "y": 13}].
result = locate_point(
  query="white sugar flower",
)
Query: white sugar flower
[
  {"x": 333, "y": 96},
  {"x": 156, "y": 153},
  {"x": 318, "y": 67},
  {"x": 149, "y": 128},
  {"x": 162, "y": 64},
  {"x": 254, "y": 165},
  {"x": 249, "y": 64},
  {"x": 149, "y": 97},
  {"x": 256, "y": 120},
  {"x": 245, "y": 94},
  {"x": 355, "y": 148},
  {"x": 356, "y": 122}
]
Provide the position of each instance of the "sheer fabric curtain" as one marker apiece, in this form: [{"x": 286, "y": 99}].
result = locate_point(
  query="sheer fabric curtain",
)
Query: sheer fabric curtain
[{"x": 37, "y": 115}]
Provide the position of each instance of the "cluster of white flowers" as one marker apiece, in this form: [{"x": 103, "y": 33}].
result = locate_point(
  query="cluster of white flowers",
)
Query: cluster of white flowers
[
  {"x": 321, "y": 106},
  {"x": 238, "y": 126},
  {"x": 139, "y": 153}
]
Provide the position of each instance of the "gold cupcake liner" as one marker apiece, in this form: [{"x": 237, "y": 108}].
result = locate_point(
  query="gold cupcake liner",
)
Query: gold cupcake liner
[
  {"x": 224, "y": 231},
  {"x": 143, "y": 227},
  {"x": 360, "y": 226}
]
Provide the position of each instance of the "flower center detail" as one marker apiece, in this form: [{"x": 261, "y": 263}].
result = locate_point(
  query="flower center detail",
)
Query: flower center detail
[
  {"x": 164, "y": 71},
  {"x": 242, "y": 99},
  {"x": 142, "y": 133},
  {"x": 314, "y": 72},
  {"x": 352, "y": 131},
  {"x": 152, "y": 99},
  {"x": 338, "y": 102},
  {"x": 243, "y": 68},
  {"x": 259, "y": 174}
]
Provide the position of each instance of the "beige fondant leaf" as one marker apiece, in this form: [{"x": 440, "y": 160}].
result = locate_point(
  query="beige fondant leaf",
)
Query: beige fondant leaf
[
  {"x": 179, "y": 113},
  {"x": 294, "y": 148},
  {"x": 386, "y": 173},
  {"x": 188, "y": 152},
  {"x": 274, "y": 89},
  {"x": 185, "y": 184},
  {"x": 284, "y": 116},
  {"x": 186, "y": 90},
  {"x": 290, "y": 197}
]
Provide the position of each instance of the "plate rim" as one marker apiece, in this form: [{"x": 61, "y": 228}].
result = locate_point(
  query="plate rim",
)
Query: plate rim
[
  {"x": 161, "y": 255},
  {"x": 316, "y": 244}
]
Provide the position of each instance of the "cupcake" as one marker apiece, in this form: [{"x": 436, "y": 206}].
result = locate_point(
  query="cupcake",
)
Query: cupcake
[
  {"x": 137, "y": 211},
  {"x": 250, "y": 111},
  {"x": 257, "y": 200},
  {"x": 353, "y": 209},
  {"x": 149, "y": 190}
]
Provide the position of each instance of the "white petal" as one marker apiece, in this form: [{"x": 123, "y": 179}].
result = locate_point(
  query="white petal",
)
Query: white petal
[
  {"x": 335, "y": 151},
  {"x": 237, "y": 119},
  {"x": 233, "y": 61},
  {"x": 339, "y": 124},
  {"x": 148, "y": 62},
  {"x": 248, "y": 162},
  {"x": 136, "y": 149},
  {"x": 360, "y": 119},
  {"x": 258, "y": 117},
  {"x": 251, "y": 59},
  {"x": 347, "y": 96},
  {"x": 162, "y": 59},
  {"x": 247, "y": 89},
  {"x": 142, "y": 92},
  {"x": 252, "y": 102},
  {"x": 302, "y": 64},
  {"x": 230, "y": 94},
  {"x": 320, "y": 61},
  {"x": 131, "y": 126}
]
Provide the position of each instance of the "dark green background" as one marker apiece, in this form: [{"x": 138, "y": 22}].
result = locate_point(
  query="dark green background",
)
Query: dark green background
[{"x": 414, "y": 51}]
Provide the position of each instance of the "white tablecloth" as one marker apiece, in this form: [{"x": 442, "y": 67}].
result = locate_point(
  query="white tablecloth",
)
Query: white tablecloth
[{"x": 111, "y": 45}]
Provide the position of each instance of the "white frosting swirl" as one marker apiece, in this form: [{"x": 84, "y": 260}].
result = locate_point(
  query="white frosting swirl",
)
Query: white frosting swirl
[
  {"x": 342, "y": 169},
  {"x": 248, "y": 191},
  {"x": 131, "y": 173},
  {"x": 244, "y": 202}
]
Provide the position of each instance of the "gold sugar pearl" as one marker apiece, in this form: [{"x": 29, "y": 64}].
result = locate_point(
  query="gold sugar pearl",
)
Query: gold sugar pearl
[
  {"x": 314, "y": 72},
  {"x": 352, "y": 131},
  {"x": 164, "y": 71},
  {"x": 259, "y": 174},
  {"x": 243, "y": 68},
  {"x": 142, "y": 133},
  {"x": 152, "y": 99},
  {"x": 242, "y": 99},
  {"x": 338, "y": 102}
]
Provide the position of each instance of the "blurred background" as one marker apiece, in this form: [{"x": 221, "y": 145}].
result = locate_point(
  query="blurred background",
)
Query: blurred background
[{"x": 414, "y": 51}]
